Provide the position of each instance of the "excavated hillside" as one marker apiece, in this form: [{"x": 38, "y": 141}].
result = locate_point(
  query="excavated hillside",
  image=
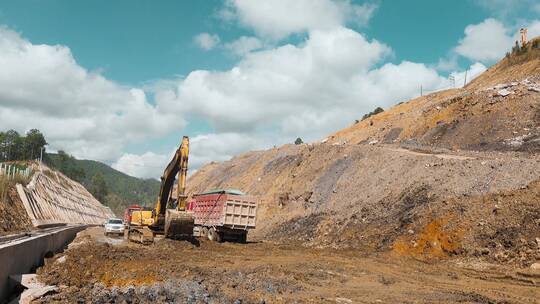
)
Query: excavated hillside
[
  {"x": 13, "y": 216},
  {"x": 451, "y": 173},
  {"x": 45, "y": 198}
]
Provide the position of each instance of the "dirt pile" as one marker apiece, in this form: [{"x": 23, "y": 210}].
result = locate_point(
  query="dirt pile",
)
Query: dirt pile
[
  {"x": 169, "y": 271},
  {"x": 435, "y": 160}
]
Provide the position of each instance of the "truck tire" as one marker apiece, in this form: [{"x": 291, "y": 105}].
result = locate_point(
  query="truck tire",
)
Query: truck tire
[
  {"x": 242, "y": 238},
  {"x": 213, "y": 235},
  {"x": 204, "y": 232}
]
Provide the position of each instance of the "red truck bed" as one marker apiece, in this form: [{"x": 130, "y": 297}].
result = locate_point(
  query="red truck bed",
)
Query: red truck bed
[{"x": 224, "y": 210}]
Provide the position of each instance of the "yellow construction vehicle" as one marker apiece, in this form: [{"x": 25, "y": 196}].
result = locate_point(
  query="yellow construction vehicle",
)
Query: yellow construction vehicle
[{"x": 169, "y": 216}]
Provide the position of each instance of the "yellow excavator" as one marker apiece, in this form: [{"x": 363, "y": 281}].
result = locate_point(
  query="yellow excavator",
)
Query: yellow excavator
[{"x": 169, "y": 217}]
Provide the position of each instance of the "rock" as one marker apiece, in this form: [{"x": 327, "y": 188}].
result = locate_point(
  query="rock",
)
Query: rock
[
  {"x": 503, "y": 86},
  {"x": 61, "y": 259},
  {"x": 504, "y": 92},
  {"x": 534, "y": 88},
  {"x": 535, "y": 266}
]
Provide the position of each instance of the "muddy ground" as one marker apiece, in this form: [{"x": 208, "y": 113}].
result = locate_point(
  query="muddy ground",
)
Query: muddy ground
[{"x": 108, "y": 270}]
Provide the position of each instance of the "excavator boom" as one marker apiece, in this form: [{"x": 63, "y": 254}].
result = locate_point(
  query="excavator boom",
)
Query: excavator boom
[
  {"x": 169, "y": 216},
  {"x": 174, "y": 221}
]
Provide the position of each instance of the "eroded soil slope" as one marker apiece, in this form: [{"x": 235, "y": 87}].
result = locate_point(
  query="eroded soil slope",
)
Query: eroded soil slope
[
  {"x": 13, "y": 216},
  {"x": 500, "y": 110}
]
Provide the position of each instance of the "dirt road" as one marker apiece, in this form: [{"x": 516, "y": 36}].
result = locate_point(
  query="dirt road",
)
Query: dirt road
[{"x": 104, "y": 270}]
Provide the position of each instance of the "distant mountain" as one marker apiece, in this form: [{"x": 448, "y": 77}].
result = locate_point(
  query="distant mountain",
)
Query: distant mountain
[{"x": 121, "y": 190}]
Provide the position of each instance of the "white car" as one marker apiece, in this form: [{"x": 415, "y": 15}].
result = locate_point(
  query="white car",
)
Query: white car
[{"x": 114, "y": 226}]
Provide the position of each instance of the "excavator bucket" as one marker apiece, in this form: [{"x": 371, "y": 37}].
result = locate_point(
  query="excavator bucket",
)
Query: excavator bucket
[{"x": 179, "y": 224}]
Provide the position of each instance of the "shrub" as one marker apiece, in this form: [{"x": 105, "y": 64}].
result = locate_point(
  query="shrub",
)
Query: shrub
[
  {"x": 298, "y": 141},
  {"x": 374, "y": 112}
]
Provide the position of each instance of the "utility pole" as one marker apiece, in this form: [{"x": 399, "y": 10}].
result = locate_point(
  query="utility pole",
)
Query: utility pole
[
  {"x": 41, "y": 160},
  {"x": 421, "y": 91},
  {"x": 465, "y": 81},
  {"x": 453, "y": 80}
]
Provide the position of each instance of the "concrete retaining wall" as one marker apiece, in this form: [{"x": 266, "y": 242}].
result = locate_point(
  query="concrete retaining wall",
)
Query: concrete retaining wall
[
  {"x": 52, "y": 198},
  {"x": 21, "y": 256}
]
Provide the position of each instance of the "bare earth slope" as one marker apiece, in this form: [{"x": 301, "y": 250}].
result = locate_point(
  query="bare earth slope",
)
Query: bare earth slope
[{"x": 451, "y": 173}]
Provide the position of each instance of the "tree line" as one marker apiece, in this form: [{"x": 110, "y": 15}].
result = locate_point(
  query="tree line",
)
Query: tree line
[
  {"x": 32, "y": 146},
  {"x": 14, "y": 146}
]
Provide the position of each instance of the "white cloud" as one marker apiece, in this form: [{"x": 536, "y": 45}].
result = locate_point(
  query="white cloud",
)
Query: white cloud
[
  {"x": 41, "y": 86},
  {"x": 203, "y": 148},
  {"x": 206, "y": 41},
  {"x": 219, "y": 147},
  {"x": 270, "y": 97},
  {"x": 487, "y": 41},
  {"x": 147, "y": 165},
  {"x": 472, "y": 72},
  {"x": 277, "y": 19},
  {"x": 306, "y": 90},
  {"x": 244, "y": 45},
  {"x": 268, "y": 85},
  {"x": 533, "y": 29}
]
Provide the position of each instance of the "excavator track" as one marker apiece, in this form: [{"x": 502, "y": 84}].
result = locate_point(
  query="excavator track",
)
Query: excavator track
[{"x": 141, "y": 235}]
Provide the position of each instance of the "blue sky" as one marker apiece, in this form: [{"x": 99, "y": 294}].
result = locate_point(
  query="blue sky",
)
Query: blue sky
[
  {"x": 133, "y": 42},
  {"x": 122, "y": 81}
]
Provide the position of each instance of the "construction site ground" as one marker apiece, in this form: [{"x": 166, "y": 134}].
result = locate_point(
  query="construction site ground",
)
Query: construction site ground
[{"x": 101, "y": 269}]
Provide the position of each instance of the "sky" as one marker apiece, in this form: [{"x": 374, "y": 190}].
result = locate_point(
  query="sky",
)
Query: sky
[{"x": 122, "y": 81}]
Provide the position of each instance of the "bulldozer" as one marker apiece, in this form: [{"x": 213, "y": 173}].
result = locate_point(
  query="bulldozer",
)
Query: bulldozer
[{"x": 169, "y": 216}]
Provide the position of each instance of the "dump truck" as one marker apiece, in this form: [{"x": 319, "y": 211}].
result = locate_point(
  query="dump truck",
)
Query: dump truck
[
  {"x": 169, "y": 216},
  {"x": 223, "y": 214},
  {"x": 128, "y": 211}
]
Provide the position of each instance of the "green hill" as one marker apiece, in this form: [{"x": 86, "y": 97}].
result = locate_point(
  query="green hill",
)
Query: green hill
[{"x": 113, "y": 188}]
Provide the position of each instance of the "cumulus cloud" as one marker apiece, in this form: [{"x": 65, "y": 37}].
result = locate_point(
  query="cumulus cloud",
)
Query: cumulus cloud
[
  {"x": 487, "y": 41},
  {"x": 270, "y": 97},
  {"x": 268, "y": 85},
  {"x": 204, "y": 149},
  {"x": 206, "y": 41},
  {"x": 146, "y": 165},
  {"x": 306, "y": 90},
  {"x": 463, "y": 77},
  {"x": 42, "y": 86},
  {"x": 533, "y": 30},
  {"x": 244, "y": 45},
  {"x": 277, "y": 19}
]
